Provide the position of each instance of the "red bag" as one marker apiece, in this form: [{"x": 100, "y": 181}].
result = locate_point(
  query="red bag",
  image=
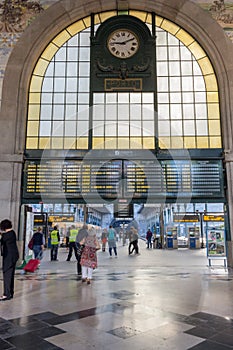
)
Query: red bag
[
  {"x": 32, "y": 265},
  {"x": 30, "y": 244}
]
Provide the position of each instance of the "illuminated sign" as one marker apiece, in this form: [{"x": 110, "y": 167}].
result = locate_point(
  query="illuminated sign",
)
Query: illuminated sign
[
  {"x": 185, "y": 218},
  {"x": 59, "y": 218},
  {"x": 213, "y": 217}
]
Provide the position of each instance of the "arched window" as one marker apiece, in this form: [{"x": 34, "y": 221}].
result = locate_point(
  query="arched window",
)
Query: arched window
[{"x": 187, "y": 96}]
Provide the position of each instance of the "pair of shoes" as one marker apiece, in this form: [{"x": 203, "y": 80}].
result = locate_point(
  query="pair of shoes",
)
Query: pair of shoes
[
  {"x": 115, "y": 256},
  {"x": 110, "y": 257},
  {"x": 4, "y": 298},
  {"x": 67, "y": 259},
  {"x": 84, "y": 280},
  {"x": 88, "y": 281},
  {"x": 79, "y": 273}
]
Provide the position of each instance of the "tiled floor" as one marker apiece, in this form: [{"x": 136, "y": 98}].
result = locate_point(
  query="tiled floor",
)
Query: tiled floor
[{"x": 159, "y": 300}]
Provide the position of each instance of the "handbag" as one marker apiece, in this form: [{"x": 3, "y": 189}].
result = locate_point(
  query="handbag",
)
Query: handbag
[
  {"x": 80, "y": 248},
  {"x": 30, "y": 244},
  {"x": 97, "y": 247}
]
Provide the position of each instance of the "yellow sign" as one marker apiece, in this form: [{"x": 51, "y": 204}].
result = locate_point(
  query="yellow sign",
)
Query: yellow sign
[
  {"x": 213, "y": 217},
  {"x": 59, "y": 218}
]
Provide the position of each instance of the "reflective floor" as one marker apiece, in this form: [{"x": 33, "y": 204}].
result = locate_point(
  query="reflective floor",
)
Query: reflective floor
[{"x": 161, "y": 299}]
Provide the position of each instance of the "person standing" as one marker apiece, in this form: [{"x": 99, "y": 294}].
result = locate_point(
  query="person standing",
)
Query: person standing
[
  {"x": 72, "y": 243},
  {"x": 112, "y": 241},
  {"x": 10, "y": 255},
  {"x": 55, "y": 239},
  {"x": 104, "y": 239},
  {"x": 38, "y": 243},
  {"x": 133, "y": 241},
  {"x": 80, "y": 239},
  {"x": 149, "y": 237},
  {"x": 89, "y": 256}
]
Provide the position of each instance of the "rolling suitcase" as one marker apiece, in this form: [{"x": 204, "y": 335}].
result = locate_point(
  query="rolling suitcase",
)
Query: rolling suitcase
[{"x": 32, "y": 265}]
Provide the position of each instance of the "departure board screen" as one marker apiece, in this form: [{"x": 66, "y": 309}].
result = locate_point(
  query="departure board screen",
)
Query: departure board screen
[{"x": 123, "y": 179}]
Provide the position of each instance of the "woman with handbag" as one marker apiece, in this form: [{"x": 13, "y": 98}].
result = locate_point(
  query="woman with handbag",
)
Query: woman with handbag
[{"x": 89, "y": 256}]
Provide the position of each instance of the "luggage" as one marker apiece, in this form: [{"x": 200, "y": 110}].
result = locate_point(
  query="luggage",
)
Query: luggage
[{"x": 32, "y": 265}]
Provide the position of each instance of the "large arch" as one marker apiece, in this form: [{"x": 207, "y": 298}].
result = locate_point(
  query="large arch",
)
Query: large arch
[{"x": 47, "y": 25}]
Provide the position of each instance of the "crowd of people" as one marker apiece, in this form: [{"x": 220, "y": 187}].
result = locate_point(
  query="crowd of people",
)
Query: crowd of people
[{"x": 83, "y": 242}]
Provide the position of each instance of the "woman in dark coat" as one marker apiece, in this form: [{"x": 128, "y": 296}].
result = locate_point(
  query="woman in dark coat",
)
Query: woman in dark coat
[{"x": 10, "y": 255}]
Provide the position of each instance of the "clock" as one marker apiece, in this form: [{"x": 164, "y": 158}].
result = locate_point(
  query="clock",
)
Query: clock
[{"x": 123, "y": 43}]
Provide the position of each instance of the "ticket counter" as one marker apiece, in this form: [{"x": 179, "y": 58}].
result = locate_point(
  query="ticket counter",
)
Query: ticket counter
[
  {"x": 171, "y": 238},
  {"x": 194, "y": 238}
]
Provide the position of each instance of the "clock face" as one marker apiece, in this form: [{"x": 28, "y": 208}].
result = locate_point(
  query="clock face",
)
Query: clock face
[{"x": 123, "y": 43}]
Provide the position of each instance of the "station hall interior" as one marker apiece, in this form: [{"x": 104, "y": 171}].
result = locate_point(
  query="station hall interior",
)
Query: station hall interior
[{"x": 113, "y": 113}]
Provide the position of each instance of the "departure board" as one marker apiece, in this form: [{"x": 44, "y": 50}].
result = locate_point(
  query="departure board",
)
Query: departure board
[{"x": 123, "y": 179}]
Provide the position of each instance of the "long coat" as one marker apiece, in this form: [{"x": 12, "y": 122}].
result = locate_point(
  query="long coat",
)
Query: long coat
[{"x": 9, "y": 250}]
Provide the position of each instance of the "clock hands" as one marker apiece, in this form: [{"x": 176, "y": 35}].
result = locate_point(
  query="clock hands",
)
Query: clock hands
[{"x": 121, "y": 42}]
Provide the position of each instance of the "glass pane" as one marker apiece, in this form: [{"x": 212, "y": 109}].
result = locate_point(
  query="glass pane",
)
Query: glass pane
[
  {"x": 47, "y": 85},
  {"x": 70, "y": 112},
  {"x": 189, "y": 127},
  {"x": 58, "y": 128},
  {"x": 163, "y": 112},
  {"x": 58, "y": 98},
  {"x": 147, "y": 97},
  {"x": 46, "y": 97},
  {"x": 82, "y": 128},
  {"x": 98, "y": 129},
  {"x": 176, "y": 111},
  {"x": 83, "y": 98},
  {"x": 123, "y": 112},
  {"x": 201, "y": 112},
  {"x": 84, "y": 69},
  {"x": 186, "y": 68},
  {"x": 164, "y": 128},
  {"x": 176, "y": 128},
  {"x": 123, "y": 129},
  {"x": 202, "y": 128},
  {"x": 45, "y": 128},
  {"x": 161, "y": 38},
  {"x": 72, "y": 69},
  {"x": 60, "y": 69},
  {"x": 46, "y": 112},
  {"x": 71, "y": 84},
  {"x": 162, "y": 54},
  {"x": 98, "y": 112},
  {"x": 59, "y": 84},
  {"x": 123, "y": 98},
  {"x": 83, "y": 112},
  {"x": 187, "y": 97},
  {"x": 70, "y": 128},
  {"x": 185, "y": 54},
  {"x": 84, "y": 54},
  {"x": 148, "y": 112},
  {"x": 61, "y": 54},
  {"x": 111, "y": 112},
  {"x": 72, "y": 54},
  {"x": 199, "y": 84},
  {"x": 111, "y": 98},
  {"x": 98, "y": 98},
  {"x": 187, "y": 84},
  {"x": 162, "y": 84},
  {"x": 83, "y": 85},
  {"x": 188, "y": 111},
  {"x": 174, "y": 68},
  {"x": 174, "y": 84},
  {"x": 200, "y": 97},
  {"x": 111, "y": 129},
  {"x": 135, "y": 112},
  {"x": 71, "y": 98},
  {"x": 135, "y": 128},
  {"x": 58, "y": 112},
  {"x": 175, "y": 97},
  {"x": 162, "y": 69},
  {"x": 174, "y": 53},
  {"x": 163, "y": 97},
  {"x": 135, "y": 97},
  {"x": 148, "y": 128}
]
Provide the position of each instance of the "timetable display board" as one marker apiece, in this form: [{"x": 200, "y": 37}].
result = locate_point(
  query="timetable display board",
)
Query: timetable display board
[
  {"x": 139, "y": 179},
  {"x": 72, "y": 178}
]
